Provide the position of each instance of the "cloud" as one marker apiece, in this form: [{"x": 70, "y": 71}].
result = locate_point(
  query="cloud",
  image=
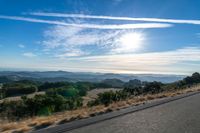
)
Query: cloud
[
  {"x": 178, "y": 61},
  {"x": 188, "y": 54},
  {"x": 21, "y": 46},
  {"x": 72, "y": 38},
  {"x": 72, "y": 41},
  {"x": 69, "y": 41},
  {"x": 176, "y": 21},
  {"x": 71, "y": 53},
  {"x": 175, "y": 61},
  {"x": 29, "y": 54},
  {"x": 90, "y": 26}
]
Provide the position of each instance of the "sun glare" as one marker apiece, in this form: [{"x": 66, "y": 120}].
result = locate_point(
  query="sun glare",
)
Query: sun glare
[{"x": 130, "y": 42}]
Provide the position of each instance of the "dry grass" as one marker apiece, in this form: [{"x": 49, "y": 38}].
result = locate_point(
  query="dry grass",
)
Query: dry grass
[
  {"x": 84, "y": 112},
  {"x": 9, "y": 126},
  {"x": 92, "y": 94},
  {"x": 24, "y": 129},
  {"x": 19, "y": 97}
]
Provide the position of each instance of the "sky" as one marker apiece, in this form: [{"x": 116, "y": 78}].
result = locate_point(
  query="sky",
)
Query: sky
[{"x": 108, "y": 36}]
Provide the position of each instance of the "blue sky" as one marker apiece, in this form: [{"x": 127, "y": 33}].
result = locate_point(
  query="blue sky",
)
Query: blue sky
[{"x": 119, "y": 36}]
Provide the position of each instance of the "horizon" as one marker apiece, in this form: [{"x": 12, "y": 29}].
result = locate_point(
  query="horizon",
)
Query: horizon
[
  {"x": 116, "y": 36},
  {"x": 87, "y": 72}
]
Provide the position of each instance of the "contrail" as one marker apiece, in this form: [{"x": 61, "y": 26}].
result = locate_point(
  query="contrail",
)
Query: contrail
[
  {"x": 177, "y": 21},
  {"x": 90, "y": 26}
]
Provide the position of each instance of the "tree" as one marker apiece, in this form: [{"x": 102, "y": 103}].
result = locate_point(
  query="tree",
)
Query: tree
[
  {"x": 134, "y": 90},
  {"x": 153, "y": 87},
  {"x": 68, "y": 92},
  {"x": 133, "y": 83},
  {"x": 82, "y": 88},
  {"x": 115, "y": 83},
  {"x": 196, "y": 77},
  {"x": 18, "y": 88},
  {"x": 48, "y": 85},
  {"x": 106, "y": 97}
]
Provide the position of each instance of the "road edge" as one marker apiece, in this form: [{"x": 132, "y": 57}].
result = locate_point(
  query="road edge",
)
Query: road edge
[{"x": 107, "y": 116}]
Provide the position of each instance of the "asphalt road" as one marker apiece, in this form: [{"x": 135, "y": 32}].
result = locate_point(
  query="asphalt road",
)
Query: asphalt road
[{"x": 180, "y": 116}]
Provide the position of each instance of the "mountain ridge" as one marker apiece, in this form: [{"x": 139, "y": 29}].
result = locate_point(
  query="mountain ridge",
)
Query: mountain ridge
[{"x": 54, "y": 76}]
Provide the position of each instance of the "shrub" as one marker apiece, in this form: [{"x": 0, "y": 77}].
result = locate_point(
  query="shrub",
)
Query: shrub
[
  {"x": 38, "y": 105},
  {"x": 82, "y": 88},
  {"x": 153, "y": 87},
  {"x": 17, "y": 88},
  {"x": 108, "y": 97},
  {"x": 48, "y": 85},
  {"x": 93, "y": 103}
]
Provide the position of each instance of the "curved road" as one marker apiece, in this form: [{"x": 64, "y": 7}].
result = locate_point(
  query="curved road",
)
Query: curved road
[{"x": 180, "y": 116}]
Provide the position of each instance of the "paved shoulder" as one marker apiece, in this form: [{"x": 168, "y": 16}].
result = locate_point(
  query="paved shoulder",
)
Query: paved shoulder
[{"x": 181, "y": 116}]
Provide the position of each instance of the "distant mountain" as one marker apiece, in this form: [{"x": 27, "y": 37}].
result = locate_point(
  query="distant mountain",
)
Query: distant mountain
[{"x": 54, "y": 76}]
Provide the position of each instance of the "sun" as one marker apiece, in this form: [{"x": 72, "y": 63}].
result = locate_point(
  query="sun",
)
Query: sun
[{"x": 130, "y": 42}]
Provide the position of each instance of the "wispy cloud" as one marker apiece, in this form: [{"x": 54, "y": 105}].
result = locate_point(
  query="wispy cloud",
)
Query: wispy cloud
[
  {"x": 71, "y": 53},
  {"x": 72, "y": 38},
  {"x": 176, "y": 21},
  {"x": 21, "y": 46},
  {"x": 153, "y": 58},
  {"x": 29, "y": 54},
  {"x": 90, "y": 26},
  {"x": 168, "y": 61},
  {"x": 73, "y": 41},
  {"x": 178, "y": 61},
  {"x": 69, "y": 41}
]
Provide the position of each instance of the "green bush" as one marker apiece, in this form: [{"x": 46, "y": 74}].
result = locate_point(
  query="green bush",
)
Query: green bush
[
  {"x": 109, "y": 97},
  {"x": 93, "y": 103},
  {"x": 134, "y": 90},
  {"x": 82, "y": 88},
  {"x": 44, "y": 111},
  {"x": 153, "y": 87},
  {"x": 48, "y": 85},
  {"x": 38, "y": 105},
  {"x": 67, "y": 92},
  {"x": 18, "y": 88}
]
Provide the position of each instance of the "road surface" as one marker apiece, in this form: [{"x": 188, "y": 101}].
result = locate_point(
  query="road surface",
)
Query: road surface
[{"x": 180, "y": 116}]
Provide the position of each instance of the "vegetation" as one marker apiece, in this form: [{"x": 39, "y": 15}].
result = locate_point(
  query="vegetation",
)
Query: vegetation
[
  {"x": 113, "y": 83},
  {"x": 139, "y": 88},
  {"x": 24, "y": 87},
  {"x": 38, "y": 105},
  {"x": 18, "y": 88},
  {"x": 60, "y": 96},
  {"x": 109, "y": 97},
  {"x": 4, "y": 79},
  {"x": 185, "y": 83},
  {"x": 133, "y": 83},
  {"x": 63, "y": 96}
]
